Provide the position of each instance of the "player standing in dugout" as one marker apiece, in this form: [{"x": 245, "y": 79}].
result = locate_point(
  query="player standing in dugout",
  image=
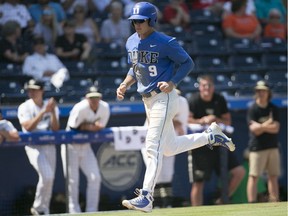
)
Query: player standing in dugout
[{"x": 153, "y": 56}]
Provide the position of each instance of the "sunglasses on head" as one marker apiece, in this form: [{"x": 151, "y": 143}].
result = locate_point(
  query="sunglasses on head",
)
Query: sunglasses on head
[{"x": 138, "y": 21}]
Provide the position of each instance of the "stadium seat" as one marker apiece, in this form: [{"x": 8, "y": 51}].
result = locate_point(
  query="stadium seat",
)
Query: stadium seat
[
  {"x": 207, "y": 45},
  {"x": 275, "y": 61},
  {"x": 245, "y": 62},
  {"x": 243, "y": 80},
  {"x": 276, "y": 77},
  {"x": 181, "y": 34},
  {"x": 206, "y": 29},
  {"x": 243, "y": 46},
  {"x": 203, "y": 16},
  {"x": 80, "y": 69},
  {"x": 222, "y": 82},
  {"x": 211, "y": 64},
  {"x": 112, "y": 66},
  {"x": 13, "y": 72},
  {"x": 275, "y": 45},
  {"x": 107, "y": 50},
  {"x": 11, "y": 92},
  {"x": 280, "y": 90},
  {"x": 189, "y": 84},
  {"x": 244, "y": 92},
  {"x": 76, "y": 84}
]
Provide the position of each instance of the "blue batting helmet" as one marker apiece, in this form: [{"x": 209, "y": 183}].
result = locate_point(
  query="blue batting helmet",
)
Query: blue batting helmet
[{"x": 144, "y": 10}]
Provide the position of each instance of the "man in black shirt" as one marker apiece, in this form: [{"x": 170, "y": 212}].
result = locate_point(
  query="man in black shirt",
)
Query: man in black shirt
[
  {"x": 207, "y": 107},
  {"x": 263, "y": 121}
]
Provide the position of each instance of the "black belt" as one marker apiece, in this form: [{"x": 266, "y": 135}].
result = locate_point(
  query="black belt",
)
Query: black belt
[{"x": 152, "y": 93}]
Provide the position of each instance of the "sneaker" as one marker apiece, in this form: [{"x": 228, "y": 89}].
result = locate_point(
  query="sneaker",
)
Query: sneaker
[
  {"x": 36, "y": 212},
  {"x": 143, "y": 201},
  {"x": 217, "y": 138}
]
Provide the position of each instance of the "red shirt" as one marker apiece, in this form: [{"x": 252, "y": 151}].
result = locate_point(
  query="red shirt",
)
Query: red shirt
[
  {"x": 201, "y": 4},
  {"x": 242, "y": 25},
  {"x": 169, "y": 12},
  {"x": 277, "y": 30}
]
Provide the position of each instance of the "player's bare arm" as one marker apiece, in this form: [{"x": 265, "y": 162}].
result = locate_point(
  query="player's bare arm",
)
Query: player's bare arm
[
  {"x": 128, "y": 81},
  {"x": 51, "y": 108},
  {"x": 88, "y": 126},
  {"x": 10, "y": 135}
]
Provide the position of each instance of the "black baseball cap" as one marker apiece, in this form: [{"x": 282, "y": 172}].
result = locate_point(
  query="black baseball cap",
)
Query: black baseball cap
[
  {"x": 92, "y": 91},
  {"x": 34, "y": 84}
]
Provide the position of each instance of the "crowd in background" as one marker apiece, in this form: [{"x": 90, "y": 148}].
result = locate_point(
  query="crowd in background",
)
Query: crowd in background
[
  {"x": 42, "y": 35},
  {"x": 71, "y": 28}
]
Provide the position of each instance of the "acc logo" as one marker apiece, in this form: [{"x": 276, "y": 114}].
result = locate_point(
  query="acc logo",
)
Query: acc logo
[{"x": 119, "y": 169}]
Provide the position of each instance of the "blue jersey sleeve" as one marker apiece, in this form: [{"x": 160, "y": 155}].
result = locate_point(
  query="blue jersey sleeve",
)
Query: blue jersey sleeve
[{"x": 180, "y": 57}]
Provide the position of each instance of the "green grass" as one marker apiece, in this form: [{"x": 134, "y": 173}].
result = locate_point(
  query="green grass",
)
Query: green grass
[{"x": 257, "y": 209}]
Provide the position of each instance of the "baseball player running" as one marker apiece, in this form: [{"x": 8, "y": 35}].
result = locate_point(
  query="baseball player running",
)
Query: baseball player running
[{"x": 153, "y": 56}]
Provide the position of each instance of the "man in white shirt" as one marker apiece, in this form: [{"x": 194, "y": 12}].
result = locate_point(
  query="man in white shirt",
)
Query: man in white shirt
[
  {"x": 7, "y": 130},
  {"x": 42, "y": 65},
  {"x": 36, "y": 115},
  {"x": 12, "y": 10},
  {"x": 90, "y": 114}
]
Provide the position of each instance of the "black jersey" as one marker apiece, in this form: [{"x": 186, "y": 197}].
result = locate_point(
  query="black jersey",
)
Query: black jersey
[{"x": 258, "y": 114}]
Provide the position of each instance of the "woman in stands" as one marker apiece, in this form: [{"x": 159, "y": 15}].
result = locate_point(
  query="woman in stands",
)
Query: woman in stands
[{"x": 238, "y": 24}]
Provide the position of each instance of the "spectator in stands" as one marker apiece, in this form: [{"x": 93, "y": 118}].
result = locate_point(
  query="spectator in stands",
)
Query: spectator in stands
[
  {"x": 274, "y": 28},
  {"x": 72, "y": 46},
  {"x": 37, "y": 114},
  {"x": 263, "y": 121},
  {"x": 263, "y": 8},
  {"x": 115, "y": 28},
  {"x": 238, "y": 24},
  {"x": 12, "y": 49},
  {"x": 69, "y": 6},
  {"x": 48, "y": 28},
  {"x": 85, "y": 25},
  {"x": 42, "y": 65},
  {"x": 13, "y": 10},
  {"x": 215, "y": 6},
  {"x": 206, "y": 107},
  {"x": 7, "y": 130},
  {"x": 250, "y": 8},
  {"x": 36, "y": 10},
  {"x": 176, "y": 13},
  {"x": 91, "y": 114}
]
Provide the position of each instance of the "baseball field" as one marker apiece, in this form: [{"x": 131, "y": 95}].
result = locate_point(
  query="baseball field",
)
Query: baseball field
[{"x": 257, "y": 209}]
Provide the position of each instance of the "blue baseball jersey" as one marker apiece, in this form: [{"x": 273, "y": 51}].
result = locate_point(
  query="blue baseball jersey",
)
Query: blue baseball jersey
[{"x": 154, "y": 59}]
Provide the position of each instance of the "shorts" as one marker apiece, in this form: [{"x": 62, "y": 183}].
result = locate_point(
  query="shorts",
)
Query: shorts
[
  {"x": 264, "y": 160},
  {"x": 205, "y": 161}
]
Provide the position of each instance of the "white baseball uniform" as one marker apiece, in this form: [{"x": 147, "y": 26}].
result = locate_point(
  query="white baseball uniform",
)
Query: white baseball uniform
[
  {"x": 82, "y": 156},
  {"x": 167, "y": 171},
  {"x": 41, "y": 157}
]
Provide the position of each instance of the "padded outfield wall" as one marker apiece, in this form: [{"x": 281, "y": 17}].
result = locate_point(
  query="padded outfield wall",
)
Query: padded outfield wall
[{"x": 18, "y": 179}]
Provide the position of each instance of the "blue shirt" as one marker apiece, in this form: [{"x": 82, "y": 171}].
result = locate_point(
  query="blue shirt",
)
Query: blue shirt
[
  {"x": 154, "y": 59},
  {"x": 36, "y": 11}
]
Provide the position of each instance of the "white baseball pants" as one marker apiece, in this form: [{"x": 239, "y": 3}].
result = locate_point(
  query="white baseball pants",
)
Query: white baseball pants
[
  {"x": 82, "y": 156},
  {"x": 161, "y": 138},
  {"x": 43, "y": 159}
]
